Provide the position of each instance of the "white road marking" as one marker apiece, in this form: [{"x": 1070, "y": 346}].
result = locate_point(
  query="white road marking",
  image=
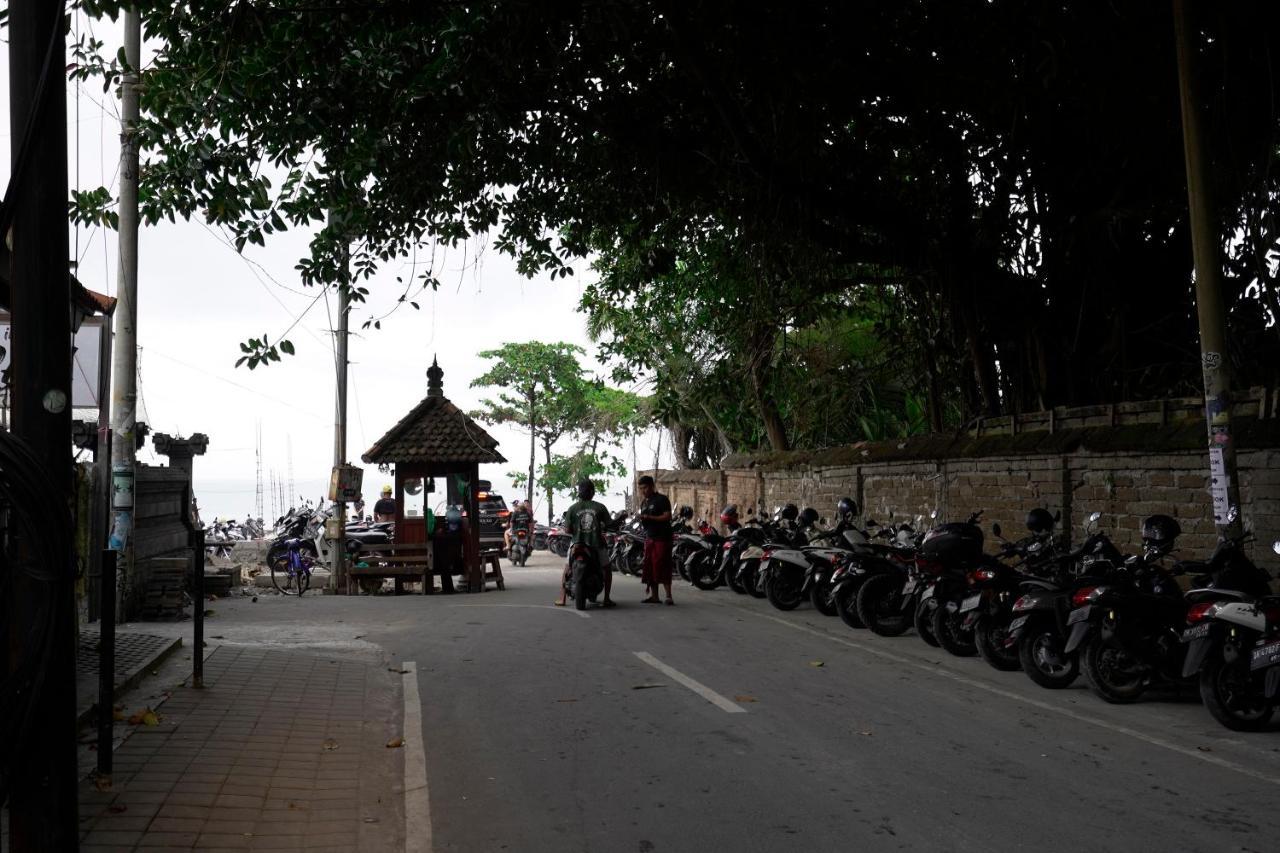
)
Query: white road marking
[
  {"x": 569, "y": 608},
  {"x": 1189, "y": 752},
  {"x": 417, "y": 797},
  {"x": 697, "y": 687}
]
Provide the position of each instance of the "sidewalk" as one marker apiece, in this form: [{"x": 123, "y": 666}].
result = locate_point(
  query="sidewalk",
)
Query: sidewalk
[{"x": 282, "y": 750}]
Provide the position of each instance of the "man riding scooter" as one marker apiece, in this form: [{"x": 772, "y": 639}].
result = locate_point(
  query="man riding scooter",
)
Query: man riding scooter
[
  {"x": 521, "y": 519},
  {"x": 585, "y": 524}
]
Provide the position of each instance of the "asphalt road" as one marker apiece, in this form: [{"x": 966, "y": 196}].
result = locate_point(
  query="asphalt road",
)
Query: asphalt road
[{"x": 723, "y": 724}]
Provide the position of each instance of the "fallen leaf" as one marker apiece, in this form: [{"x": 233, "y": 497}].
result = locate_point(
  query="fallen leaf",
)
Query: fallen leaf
[
  {"x": 570, "y": 700},
  {"x": 330, "y": 744},
  {"x": 216, "y": 637},
  {"x": 865, "y": 734},
  {"x": 145, "y": 717},
  {"x": 395, "y": 743},
  {"x": 1204, "y": 749},
  {"x": 117, "y": 715},
  {"x": 359, "y": 636},
  {"x": 371, "y": 820},
  {"x": 646, "y": 686},
  {"x": 816, "y": 663},
  {"x": 744, "y": 699},
  {"x": 209, "y": 612},
  {"x": 400, "y": 671},
  {"x": 102, "y": 783},
  {"x": 117, "y": 808}
]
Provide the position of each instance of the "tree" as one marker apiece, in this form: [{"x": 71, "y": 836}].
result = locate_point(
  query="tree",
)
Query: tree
[
  {"x": 547, "y": 395},
  {"x": 1014, "y": 168}
]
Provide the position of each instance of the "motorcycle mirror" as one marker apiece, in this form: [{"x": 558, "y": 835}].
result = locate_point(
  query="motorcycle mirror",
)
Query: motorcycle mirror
[
  {"x": 995, "y": 530},
  {"x": 934, "y": 515},
  {"x": 1233, "y": 514},
  {"x": 1275, "y": 546}
]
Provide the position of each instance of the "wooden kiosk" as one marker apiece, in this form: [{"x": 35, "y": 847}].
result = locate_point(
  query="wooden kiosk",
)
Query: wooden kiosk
[{"x": 436, "y": 450}]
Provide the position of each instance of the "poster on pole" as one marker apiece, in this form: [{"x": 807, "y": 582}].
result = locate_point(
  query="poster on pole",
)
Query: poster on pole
[{"x": 1218, "y": 484}]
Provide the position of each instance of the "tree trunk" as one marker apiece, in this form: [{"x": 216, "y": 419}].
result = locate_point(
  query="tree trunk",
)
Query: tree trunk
[
  {"x": 726, "y": 446},
  {"x": 774, "y": 427},
  {"x": 680, "y": 444},
  {"x": 933, "y": 392},
  {"x": 533, "y": 449},
  {"x": 551, "y": 498}
]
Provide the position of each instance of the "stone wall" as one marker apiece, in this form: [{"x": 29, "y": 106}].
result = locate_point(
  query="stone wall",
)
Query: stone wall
[{"x": 1126, "y": 473}]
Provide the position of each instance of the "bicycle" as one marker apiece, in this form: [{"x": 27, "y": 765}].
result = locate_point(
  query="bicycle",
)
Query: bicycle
[{"x": 291, "y": 571}]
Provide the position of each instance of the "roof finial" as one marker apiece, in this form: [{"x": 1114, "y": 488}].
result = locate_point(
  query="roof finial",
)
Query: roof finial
[{"x": 434, "y": 377}]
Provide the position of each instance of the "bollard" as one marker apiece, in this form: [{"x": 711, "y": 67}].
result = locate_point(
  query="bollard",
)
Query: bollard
[{"x": 106, "y": 662}]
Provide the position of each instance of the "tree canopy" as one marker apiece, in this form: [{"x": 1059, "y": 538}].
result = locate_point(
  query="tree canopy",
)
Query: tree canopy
[{"x": 811, "y": 222}]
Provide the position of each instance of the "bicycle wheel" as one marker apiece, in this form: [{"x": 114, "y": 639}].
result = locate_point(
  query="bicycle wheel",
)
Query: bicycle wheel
[{"x": 286, "y": 581}]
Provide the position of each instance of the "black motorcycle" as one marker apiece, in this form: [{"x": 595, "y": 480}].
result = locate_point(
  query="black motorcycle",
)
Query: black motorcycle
[
  {"x": 585, "y": 580},
  {"x": 521, "y": 547},
  {"x": 952, "y": 551},
  {"x": 1129, "y": 630}
]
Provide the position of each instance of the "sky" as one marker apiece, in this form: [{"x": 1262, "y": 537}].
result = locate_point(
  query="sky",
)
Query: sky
[{"x": 198, "y": 298}]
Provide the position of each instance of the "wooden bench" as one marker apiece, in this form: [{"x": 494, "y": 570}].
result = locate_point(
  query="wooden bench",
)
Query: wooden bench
[{"x": 399, "y": 561}]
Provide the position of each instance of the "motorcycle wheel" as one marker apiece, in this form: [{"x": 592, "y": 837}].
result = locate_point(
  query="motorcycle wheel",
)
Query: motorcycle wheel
[
  {"x": 847, "y": 608},
  {"x": 783, "y": 592},
  {"x": 731, "y": 579},
  {"x": 820, "y": 597},
  {"x": 879, "y": 604},
  {"x": 946, "y": 628},
  {"x": 752, "y": 581},
  {"x": 990, "y": 640},
  {"x": 923, "y": 621},
  {"x": 1104, "y": 666},
  {"x": 1043, "y": 660},
  {"x": 1231, "y": 696},
  {"x": 703, "y": 574}
]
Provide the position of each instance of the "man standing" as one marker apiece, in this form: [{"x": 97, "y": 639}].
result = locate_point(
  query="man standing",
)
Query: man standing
[
  {"x": 385, "y": 508},
  {"x": 655, "y": 515}
]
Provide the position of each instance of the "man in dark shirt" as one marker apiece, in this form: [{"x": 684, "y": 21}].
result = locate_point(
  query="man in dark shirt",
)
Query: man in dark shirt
[
  {"x": 655, "y": 515},
  {"x": 385, "y": 508},
  {"x": 520, "y": 519}
]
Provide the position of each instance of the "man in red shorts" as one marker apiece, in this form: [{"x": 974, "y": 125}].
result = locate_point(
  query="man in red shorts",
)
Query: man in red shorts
[{"x": 655, "y": 515}]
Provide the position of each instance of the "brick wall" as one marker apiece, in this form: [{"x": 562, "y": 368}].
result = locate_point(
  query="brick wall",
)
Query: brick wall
[{"x": 1125, "y": 482}]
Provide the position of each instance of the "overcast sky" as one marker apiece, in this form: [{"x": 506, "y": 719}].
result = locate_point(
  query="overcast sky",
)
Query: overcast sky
[{"x": 198, "y": 298}]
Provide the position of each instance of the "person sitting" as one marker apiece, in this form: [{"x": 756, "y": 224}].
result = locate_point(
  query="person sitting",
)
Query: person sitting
[
  {"x": 585, "y": 524},
  {"x": 385, "y": 508},
  {"x": 520, "y": 519}
]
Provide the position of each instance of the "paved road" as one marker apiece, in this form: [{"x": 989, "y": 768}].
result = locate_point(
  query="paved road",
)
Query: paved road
[{"x": 547, "y": 730}]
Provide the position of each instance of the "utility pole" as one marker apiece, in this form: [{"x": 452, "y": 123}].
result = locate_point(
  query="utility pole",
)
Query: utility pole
[
  {"x": 1224, "y": 485},
  {"x": 124, "y": 385},
  {"x": 43, "y": 778},
  {"x": 338, "y": 575}
]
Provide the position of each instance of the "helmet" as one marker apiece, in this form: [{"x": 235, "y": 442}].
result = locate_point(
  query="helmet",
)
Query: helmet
[
  {"x": 808, "y": 517},
  {"x": 386, "y": 490},
  {"x": 790, "y": 512},
  {"x": 729, "y": 515},
  {"x": 846, "y": 509},
  {"x": 586, "y": 490},
  {"x": 685, "y": 511},
  {"x": 1039, "y": 520},
  {"x": 1160, "y": 530}
]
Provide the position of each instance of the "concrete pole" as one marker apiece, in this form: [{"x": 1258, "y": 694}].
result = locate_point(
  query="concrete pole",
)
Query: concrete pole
[
  {"x": 124, "y": 388},
  {"x": 1224, "y": 483},
  {"x": 42, "y": 809},
  {"x": 337, "y": 578}
]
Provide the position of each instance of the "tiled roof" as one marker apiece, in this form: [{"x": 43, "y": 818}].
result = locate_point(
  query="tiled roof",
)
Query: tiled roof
[{"x": 435, "y": 431}]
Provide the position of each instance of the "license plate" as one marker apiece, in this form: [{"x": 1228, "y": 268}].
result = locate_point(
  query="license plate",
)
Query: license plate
[
  {"x": 1265, "y": 656},
  {"x": 971, "y": 603},
  {"x": 1080, "y": 614},
  {"x": 1016, "y": 624},
  {"x": 1196, "y": 632},
  {"x": 927, "y": 594}
]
